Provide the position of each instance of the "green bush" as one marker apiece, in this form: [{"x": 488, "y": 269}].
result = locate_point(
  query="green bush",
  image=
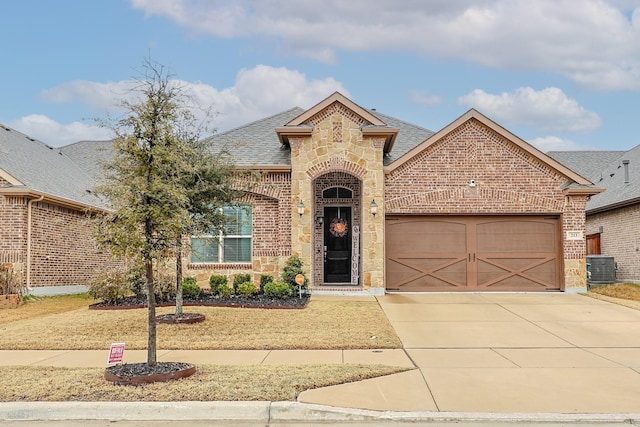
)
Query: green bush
[
  {"x": 277, "y": 290},
  {"x": 292, "y": 268},
  {"x": 264, "y": 279},
  {"x": 239, "y": 279},
  {"x": 217, "y": 282},
  {"x": 246, "y": 289},
  {"x": 111, "y": 286},
  {"x": 224, "y": 291},
  {"x": 190, "y": 288},
  {"x": 191, "y": 280},
  {"x": 137, "y": 280}
]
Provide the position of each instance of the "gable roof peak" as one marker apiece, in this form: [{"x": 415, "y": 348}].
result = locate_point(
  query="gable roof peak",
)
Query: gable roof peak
[{"x": 365, "y": 114}]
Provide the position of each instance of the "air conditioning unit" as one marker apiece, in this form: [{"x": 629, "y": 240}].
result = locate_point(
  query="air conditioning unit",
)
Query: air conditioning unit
[{"x": 602, "y": 269}]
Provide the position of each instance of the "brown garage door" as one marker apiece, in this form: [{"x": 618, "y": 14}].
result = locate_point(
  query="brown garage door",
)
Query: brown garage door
[{"x": 479, "y": 253}]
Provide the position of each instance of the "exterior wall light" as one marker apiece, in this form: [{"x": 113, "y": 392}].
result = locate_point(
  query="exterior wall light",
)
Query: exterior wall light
[
  {"x": 300, "y": 208},
  {"x": 374, "y": 207}
]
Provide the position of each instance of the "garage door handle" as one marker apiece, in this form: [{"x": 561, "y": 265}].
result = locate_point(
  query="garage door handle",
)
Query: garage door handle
[{"x": 474, "y": 257}]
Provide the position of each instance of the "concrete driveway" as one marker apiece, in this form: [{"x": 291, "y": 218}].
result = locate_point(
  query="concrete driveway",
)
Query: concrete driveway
[{"x": 542, "y": 353}]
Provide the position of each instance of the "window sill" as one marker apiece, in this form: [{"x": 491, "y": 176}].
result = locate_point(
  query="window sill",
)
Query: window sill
[{"x": 220, "y": 266}]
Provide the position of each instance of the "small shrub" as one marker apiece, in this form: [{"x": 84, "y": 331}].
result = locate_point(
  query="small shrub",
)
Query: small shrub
[
  {"x": 190, "y": 288},
  {"x": 110, "y": 286},
  {"x": 246, "y": 289},
  {"x": 239, "y": 279},
  {"x": 264, "y": 279},
  {"x": 137, "y": 279},
  {"x": 10, "y": 281},
  {"x": 190, "y": 280},
  {"x": 224, "y": 291},
  {"x": 165, "y": 288},
  {"x": 292, "y": 268},
  {"x": 217, "y": 282},
  {"x": 279, "y": 290}
]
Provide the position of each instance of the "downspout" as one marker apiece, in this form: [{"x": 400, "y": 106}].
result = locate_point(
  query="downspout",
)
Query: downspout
[{"x": 29, "y": 203}]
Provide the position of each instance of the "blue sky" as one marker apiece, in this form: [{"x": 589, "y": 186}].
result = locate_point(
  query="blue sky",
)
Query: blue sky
[{"x": 561, "y": 74}]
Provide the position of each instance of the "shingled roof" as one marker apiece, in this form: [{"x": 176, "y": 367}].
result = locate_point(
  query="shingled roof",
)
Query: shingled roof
[
  {"x": 34, "y": 168},
  {"x": 257, "y": 145},
  {"x": 606, "y": 169}
]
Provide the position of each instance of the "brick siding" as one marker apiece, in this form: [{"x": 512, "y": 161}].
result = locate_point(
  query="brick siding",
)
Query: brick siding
[
  {"x": 63, "y": 249},
  {"x": 508, "y": 181},
  {"x": 269, "y": 195},
  {"x": 620, "y": 238}
]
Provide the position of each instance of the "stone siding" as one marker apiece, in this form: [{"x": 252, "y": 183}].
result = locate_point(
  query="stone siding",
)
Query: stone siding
[{"x": 337, "y": 145}]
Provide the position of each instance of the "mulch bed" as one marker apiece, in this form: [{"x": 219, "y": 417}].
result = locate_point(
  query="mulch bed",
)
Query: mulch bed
[
  {"x": 208, "y": 300},
  {"x": 142, "y": 373},
  {"x": 184, "y": 318}
]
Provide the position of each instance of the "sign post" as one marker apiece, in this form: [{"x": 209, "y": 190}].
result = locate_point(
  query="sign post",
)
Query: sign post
[
  {"x": 116, "y": 353},
  {"x": 300, "y": 282}
]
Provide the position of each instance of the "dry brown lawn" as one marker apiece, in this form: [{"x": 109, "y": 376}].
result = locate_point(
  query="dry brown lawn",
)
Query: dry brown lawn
[
  {"x": 67, "y": 323},
  {"x": 209, "y": 383},
  {"x": 35, "y": 307},
  {"x": 626, "y": 294},
  {"x": 324, "y": 324}
]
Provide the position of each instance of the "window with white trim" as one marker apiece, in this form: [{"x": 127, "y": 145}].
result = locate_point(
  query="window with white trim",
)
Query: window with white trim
[{"x": 232, "y": 245}]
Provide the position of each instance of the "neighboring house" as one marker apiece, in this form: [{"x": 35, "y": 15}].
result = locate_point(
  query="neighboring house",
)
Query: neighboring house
[
  {"x": 45, "y": 211},
  {"x": 613, "y": 217},
  {"x": 372, "y": 204}
]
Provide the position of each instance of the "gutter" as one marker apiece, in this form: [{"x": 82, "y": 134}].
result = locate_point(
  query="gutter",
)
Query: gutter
[
  {"x": 57, "y": 200},
  {"x": 613, "y": 206}
]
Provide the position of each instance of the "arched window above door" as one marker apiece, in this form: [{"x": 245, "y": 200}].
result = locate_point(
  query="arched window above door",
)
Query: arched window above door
[{"x": 337, "y": 193}]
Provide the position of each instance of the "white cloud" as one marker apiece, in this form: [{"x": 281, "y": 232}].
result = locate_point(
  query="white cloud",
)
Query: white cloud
[
  {"x": 423, "y": 98},
  {"x": 554, "y": 143},
  {"x": 594, "y": 43},
  {"x": 548, "y": 109},
  {"x": 55, "y": 134},
  {"x": 93, "y": 94},
  {"x": 257, "y": 92}
]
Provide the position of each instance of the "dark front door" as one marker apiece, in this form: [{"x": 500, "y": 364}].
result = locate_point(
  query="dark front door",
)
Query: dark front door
[{"x": 337, "y": 245}]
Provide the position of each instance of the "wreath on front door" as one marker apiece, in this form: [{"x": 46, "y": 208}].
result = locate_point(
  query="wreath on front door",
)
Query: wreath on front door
[{"x": 338, "y": 227}]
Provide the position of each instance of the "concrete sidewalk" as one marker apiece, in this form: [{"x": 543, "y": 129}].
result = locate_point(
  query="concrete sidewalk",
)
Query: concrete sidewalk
[{"x": 526, "y": 354}]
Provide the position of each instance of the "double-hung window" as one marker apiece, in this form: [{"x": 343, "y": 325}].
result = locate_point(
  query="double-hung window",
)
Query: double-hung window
[{"x": 232, "y": 245}]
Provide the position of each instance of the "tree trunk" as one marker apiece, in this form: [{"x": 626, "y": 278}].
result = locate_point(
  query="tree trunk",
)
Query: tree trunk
[
  {"x": 179, "y": 276},
  {"x": 151, "y": 303}
]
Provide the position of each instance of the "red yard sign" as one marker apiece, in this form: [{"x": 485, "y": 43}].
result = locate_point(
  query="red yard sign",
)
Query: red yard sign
[
  {"x": 299, "y": 279},
  {"x": 116, "y": 353}
]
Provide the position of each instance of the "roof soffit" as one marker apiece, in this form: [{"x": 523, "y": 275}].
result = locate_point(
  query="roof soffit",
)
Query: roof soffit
[{"x": 474, "y": 114}]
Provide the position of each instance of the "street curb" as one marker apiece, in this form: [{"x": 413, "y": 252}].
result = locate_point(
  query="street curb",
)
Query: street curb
[
  {"x": 134, "y": 411},
  {"x": 268, "y": 412}
]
